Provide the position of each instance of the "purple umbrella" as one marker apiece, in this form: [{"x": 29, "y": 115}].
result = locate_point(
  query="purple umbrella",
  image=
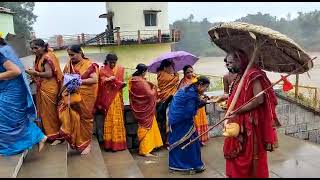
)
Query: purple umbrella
[{"x": 180, "y": 59}]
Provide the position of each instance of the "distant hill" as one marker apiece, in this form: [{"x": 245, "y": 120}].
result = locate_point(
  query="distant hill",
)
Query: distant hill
[{"x": 305, "y": 30}]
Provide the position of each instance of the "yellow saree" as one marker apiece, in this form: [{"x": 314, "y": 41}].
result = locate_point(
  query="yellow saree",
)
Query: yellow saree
[
  {"x": 143, "y": 96},
  {"x": 114, "y": 129}
]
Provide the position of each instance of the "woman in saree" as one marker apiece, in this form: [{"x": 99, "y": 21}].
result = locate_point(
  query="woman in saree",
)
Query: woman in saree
[
  {"x": 47, "y": 76},
  {"x": 110, "y": 102},
  {"x": 182, "y": 109},
  {"x": 76, "y": 114},
  {"x": 143, "y": 99},
  {"x": 200, "y": 120},
  {"x": 18, "y": 131},
  {"x": 168, "y": 81}
]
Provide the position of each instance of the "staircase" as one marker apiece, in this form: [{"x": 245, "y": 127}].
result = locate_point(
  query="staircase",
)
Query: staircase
[
  {"x": 294, "y": 158},
  {"x": 104, "y": 38},
  {"x": 57, "y": 162}
]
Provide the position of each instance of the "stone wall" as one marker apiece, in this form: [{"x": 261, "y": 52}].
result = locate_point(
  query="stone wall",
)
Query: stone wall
[
  {"x": 214, "y": 115},
  {"x": 298, "y": 120},
  {"x": 131, "y": 126}
]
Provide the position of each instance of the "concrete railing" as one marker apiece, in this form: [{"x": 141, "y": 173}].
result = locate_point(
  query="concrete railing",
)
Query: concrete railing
[{"x": 115, "y": 38}]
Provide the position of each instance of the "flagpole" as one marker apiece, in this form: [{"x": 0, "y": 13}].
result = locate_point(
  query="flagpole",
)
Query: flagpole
[{"x": 296, "y": 90}]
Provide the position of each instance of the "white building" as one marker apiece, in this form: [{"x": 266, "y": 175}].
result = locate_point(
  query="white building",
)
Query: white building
[
  {"x": 6, "y": 21},
  {"x": 129, "y": 17}
]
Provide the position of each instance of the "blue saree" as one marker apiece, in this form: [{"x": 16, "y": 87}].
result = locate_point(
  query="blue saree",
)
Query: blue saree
[
  {"x": 18, "y": 132},
  {"x": 182, "y": 110}
]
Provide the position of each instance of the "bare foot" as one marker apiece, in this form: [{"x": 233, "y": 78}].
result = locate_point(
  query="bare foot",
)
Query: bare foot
[
  {"x": 86, "y": 150},
  {"x": 42, "y": 143},
  {"x": 149, "y": 155},
  {"x": 56, "y": 142}
]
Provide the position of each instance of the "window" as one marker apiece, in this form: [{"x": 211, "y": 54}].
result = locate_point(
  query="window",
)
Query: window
[{"x": 150, "y": 19}]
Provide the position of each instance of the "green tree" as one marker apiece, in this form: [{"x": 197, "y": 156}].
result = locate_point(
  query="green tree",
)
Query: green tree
[
  {"x": 23, "y": 18},
  {"x": 305, "y": 30}
]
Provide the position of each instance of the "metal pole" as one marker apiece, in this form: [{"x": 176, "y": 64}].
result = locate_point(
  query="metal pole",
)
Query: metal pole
[
  {"x": 315, "y": 98},
  {"x": 296, "y": 89}
]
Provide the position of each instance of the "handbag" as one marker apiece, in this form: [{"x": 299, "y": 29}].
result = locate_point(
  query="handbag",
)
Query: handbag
[{"x": 72, "y": 98}]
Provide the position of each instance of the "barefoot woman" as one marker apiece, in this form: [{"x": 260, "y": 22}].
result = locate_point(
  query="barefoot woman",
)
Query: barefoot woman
[
  {"x": 77, "y": 118},
  {"x": 17, "y": 130},
  {"x": 143, "y": 97}
]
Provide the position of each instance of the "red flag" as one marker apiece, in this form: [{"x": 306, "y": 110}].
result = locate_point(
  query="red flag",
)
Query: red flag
[{"x": 287, "y": 86}]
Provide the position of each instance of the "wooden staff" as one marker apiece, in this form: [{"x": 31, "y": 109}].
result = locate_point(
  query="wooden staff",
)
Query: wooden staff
[{"x": 262, "y": 92}]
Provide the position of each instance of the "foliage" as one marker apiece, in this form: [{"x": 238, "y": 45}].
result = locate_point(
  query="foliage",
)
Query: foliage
[{"x": 303, "y": 29}]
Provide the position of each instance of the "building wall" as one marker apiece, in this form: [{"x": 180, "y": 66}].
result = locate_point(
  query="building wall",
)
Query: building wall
[
  {"x": 129, "y": 15},
  {"x": 128, "y": 55},
  {"x": 6, "y": 24}
]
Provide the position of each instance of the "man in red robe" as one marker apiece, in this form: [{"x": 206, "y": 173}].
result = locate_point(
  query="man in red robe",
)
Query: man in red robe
[{"x": 246, "y": 154}]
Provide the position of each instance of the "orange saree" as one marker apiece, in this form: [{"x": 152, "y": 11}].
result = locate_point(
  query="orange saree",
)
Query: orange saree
[
  {"x": 167, "y": 84},
  {"x": 142, "y": 97},
  {"x": 110, "y": 102},
  {"x": 200, "y": 120},
  {"x": 46, "y": 95},
  {"x": 77, "y": 119}
]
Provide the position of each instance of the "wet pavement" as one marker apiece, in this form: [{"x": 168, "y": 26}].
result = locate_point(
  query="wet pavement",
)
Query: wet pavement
[{"x": 294, "y": 158}]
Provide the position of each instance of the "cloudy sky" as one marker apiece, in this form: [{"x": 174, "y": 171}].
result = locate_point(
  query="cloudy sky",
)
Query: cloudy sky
[{"x": 82, "y": 17}]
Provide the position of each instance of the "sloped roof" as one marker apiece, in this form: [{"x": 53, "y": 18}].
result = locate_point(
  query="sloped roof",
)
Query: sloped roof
[{"x": 6, "y": 10}]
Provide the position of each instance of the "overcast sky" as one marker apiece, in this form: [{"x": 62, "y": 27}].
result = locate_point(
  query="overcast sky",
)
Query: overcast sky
[{"x": 82, "y": 17}]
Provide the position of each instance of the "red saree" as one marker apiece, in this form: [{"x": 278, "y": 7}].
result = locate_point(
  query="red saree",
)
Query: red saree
[
  {"x": 108, "y": 90},
  {"x": 142, "y": 101},
  {"x": 246, "y": 155}
]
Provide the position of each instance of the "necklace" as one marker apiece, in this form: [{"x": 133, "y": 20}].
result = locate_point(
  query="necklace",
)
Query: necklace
[{"x": 233, "y": 84}]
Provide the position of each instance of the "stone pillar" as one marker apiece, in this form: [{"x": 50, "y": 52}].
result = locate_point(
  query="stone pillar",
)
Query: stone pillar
[
  {"x": 98, "y": 40},
  {"x": 83, "y": 39},
  {"x": 118, "y": 38},
  {"x": 139, "y": 37},
  {"x": 173, "y": 35},
  {"x": 59, "y": 41},
  {"x": 159, "y": 35},
  {"x": 78, "y": 39}
]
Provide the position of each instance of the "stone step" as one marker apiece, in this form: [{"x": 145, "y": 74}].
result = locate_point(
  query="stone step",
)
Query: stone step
[
  {"x": 51, "y": 162},
  {"x": 10, "y": 165},
  {"x": 87, "y": 166},
  {"x": 121, "y": 164}
]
